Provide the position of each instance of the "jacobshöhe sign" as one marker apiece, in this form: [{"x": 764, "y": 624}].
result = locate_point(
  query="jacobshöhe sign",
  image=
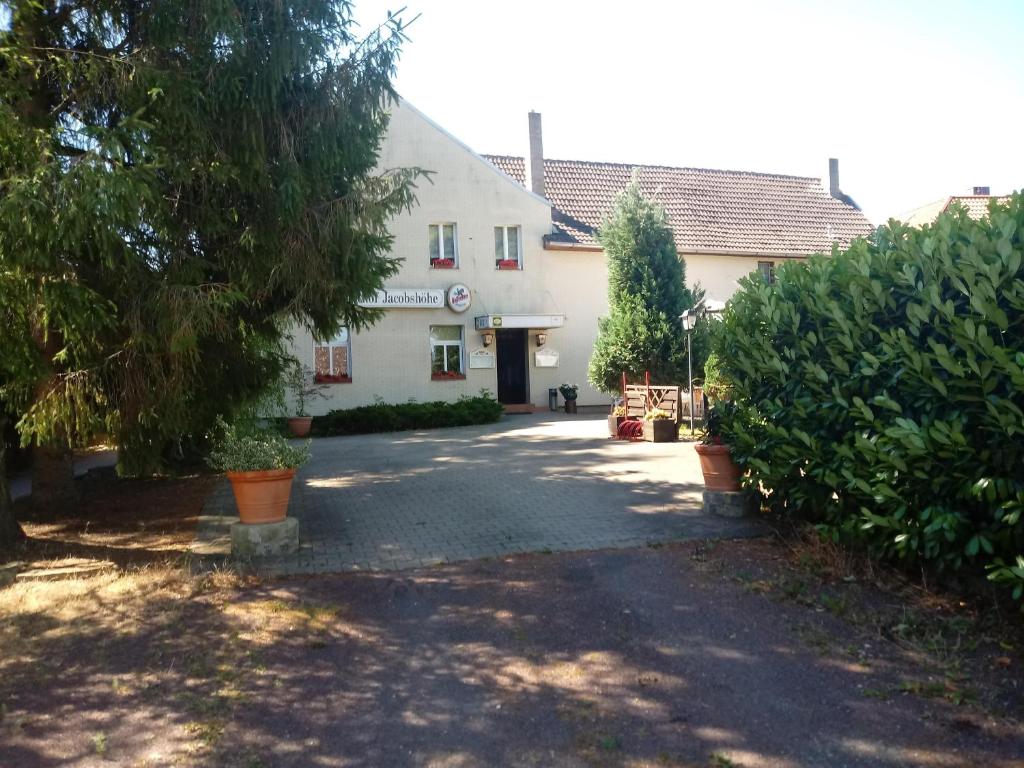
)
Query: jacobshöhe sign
[{"x": 406, "y": 298}]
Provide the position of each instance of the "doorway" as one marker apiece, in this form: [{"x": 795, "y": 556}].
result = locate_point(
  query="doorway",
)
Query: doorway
[{"x": 512, "y": 371}]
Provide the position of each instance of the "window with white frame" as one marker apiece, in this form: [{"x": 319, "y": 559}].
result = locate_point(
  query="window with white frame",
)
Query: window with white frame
[
  {"x": 446, "y": 352},
  {"x": 507, "y": 250},
  {"x": 332, "y": 360},
  {"x": 443, "y": 247},
  {"x": 767, "y": 270}
]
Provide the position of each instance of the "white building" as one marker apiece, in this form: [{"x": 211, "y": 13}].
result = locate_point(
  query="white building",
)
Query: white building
[
  {"x": 727, "y": 224},
  {"x": 502, "y": 285},
  {"x": 460, "y": 318}
]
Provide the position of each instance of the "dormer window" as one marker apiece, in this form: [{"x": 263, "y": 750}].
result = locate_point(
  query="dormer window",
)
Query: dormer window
[{"x": 443, "y": 250}]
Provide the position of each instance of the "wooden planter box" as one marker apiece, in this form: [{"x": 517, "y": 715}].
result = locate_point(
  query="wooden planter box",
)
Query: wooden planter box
[{"x": 661, "y": 431}]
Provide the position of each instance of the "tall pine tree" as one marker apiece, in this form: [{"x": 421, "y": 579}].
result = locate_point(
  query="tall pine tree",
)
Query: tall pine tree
[
  {"x": 646, "y": 295},
  {"x": 179, "y": 181}
]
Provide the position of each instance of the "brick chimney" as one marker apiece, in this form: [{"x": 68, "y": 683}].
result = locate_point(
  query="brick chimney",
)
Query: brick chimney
[
  {"x": 833, "y": 178},
  {"x": 535, "y": 160},
  {"x": 982, "y": 191}
]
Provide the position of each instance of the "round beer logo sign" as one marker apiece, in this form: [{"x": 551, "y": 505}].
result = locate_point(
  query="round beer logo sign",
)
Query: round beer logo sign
[{"x": 458, "y": 298}]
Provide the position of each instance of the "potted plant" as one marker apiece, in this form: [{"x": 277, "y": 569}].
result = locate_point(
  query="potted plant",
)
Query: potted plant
[
  {"x": 721, "y": 473},
  {"x": 570, "y": 392},
  {"x": 508, "y": 264},
  {"x": 616, "y": 417},
  {"x": 261, "y": 466},
  {"x": 304, "y": 387},
  {"x": 442, "y": 263},
  {"x": 660, "y": 427}
]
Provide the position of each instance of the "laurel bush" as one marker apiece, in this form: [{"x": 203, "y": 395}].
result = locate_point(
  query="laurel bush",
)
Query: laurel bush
[{"x": 881, "y": 391}]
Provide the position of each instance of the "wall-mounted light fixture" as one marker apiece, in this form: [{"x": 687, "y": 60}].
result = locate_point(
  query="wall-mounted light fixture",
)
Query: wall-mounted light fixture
[
  {"x": 541, "y": 339},
  {"x": 488, "y": 339}
]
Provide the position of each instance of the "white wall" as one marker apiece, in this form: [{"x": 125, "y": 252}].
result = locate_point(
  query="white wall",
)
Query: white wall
[
  {"x": 720, "y": 275},
  {"x": 391, "y": 360}
]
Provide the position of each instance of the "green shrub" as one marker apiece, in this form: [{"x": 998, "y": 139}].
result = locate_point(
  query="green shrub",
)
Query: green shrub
[
  {"x": 882, "y": 390},
  {"x": 243, "y": 449},
  {"x": 384, "y": 417}
]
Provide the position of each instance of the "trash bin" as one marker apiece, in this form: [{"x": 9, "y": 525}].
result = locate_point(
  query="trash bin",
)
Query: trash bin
[{"x": 553, "y": 398}]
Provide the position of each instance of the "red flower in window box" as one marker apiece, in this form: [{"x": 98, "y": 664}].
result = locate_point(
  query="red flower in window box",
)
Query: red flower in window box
[
  {"x": 442, "y": 263},
  {"x": 446, "y": 375},
  {"x": 508, "y": 264},
  {"x": 328, "y": 378}
]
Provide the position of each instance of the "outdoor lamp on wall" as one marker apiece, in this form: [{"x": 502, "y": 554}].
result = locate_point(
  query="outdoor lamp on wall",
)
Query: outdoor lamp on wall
[
  {"x": 488, "y": 339},
  {"x": 541, "y": 339}
]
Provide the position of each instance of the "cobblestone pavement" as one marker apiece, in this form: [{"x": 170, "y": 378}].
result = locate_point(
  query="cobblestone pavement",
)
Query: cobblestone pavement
[{"x": 534, "y": 483}]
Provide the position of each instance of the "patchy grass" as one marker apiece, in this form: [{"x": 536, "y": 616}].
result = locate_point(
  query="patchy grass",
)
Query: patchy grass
[
  {"x": 153, "y": 641},
  {"x": 969, "y": 643}
]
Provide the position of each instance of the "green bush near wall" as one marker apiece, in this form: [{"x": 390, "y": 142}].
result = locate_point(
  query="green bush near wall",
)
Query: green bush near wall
[
  {"x": 882, "y": 391},
  {"x": 385, "y": 417}
]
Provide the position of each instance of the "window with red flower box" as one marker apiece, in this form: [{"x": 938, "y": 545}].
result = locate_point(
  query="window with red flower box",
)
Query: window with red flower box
[
  {"x": 507, "y": 248},
  {"x": 443, "y": 246},
  {"x": 446, "y": 352},
  {"x": 332, "y": 360}
]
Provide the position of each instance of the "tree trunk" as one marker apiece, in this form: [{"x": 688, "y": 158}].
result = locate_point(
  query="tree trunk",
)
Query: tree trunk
[
  {"x": 53, "y": 480},
  {"x": 53, "y": 471},
  {"x": 10, "y": 532}
]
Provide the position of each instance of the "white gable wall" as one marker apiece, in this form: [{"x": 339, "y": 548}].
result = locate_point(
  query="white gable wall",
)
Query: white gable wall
[{"x": 391, "y": 360}]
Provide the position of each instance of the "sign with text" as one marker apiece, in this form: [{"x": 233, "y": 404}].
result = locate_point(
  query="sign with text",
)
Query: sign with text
[
  {"x": 546, "y": 358},
  {"x": 407, "y": 298},
  {"x": 481, "y": 358}
]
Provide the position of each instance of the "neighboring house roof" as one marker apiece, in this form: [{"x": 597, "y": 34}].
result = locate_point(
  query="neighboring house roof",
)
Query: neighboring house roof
[
  {"x": 976, "y": 205},
  {"x": 709, "y": 211}
]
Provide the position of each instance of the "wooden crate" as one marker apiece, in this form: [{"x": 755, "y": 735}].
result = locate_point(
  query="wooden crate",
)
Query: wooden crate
[{"x": 661, "y": 431}]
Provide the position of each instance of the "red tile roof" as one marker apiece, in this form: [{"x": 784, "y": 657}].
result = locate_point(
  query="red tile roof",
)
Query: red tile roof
[
  {"x": 709, "y": 210},
  {"x": 976, "y": 205}
]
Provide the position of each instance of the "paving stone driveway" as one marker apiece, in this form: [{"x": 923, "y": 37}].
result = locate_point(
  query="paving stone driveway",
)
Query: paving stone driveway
[{"x": 542, "y": 482}]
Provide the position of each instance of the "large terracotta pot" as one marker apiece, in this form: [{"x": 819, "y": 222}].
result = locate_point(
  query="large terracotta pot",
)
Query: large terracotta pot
[
  {"x": 720, "y": 472},
  {"x": 570, "y": 406},
  {"x": 299, "y": 426},
  {"x": 262, "y": 497}
]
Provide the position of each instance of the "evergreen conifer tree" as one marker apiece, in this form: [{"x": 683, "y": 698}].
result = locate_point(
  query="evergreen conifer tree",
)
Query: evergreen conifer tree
[
  {"x": 180, "y": 181},
  {"x": 646, "y": 295}
]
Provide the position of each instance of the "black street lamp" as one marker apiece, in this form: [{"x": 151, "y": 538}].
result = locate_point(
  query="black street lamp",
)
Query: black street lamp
[{"x": 689, "y": 320}]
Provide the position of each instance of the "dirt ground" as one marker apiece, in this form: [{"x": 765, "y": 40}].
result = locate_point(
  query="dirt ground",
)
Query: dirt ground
[{"x": 741, "y": 653}]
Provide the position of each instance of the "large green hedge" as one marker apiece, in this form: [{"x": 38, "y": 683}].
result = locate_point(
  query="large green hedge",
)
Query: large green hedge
[
  {"x": 882, "y": 390},
  {"x": 385, "y": 417}
]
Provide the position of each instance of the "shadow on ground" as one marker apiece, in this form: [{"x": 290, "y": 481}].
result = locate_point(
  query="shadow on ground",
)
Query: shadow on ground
[
  {"x": 621, "y": 658},
  {"x": 528, "y": 484}
]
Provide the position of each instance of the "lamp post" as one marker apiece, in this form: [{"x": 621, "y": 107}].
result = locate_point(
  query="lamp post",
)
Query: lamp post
[{"x": 689, "y": 319}]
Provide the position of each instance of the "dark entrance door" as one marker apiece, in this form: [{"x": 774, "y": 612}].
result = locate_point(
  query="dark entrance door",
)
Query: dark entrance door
[{"x": 511, "y": 345}]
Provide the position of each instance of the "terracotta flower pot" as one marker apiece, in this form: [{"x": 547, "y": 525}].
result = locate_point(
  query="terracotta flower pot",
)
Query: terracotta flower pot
[
  {"x": 262, "y": 497},
  {"x": 720, "y": 472},
  {"x": 299, "y": 426}
]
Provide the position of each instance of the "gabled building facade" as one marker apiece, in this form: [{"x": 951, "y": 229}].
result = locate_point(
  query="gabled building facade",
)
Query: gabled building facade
[
  {"x": 502, "y": 285},
  {"x": 479, "y": 303}
]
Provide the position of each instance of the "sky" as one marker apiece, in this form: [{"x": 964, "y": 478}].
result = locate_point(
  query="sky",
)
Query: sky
[{"x": 918, "y": 100}]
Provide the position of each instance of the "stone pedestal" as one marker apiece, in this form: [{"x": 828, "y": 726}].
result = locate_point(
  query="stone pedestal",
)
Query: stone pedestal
[
  {"x": 728, "y": 503},
  {"x": 266, "y": 539}
]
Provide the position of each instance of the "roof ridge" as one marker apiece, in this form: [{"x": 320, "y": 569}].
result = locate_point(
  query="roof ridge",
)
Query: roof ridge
[{"x": 664, "y": 167}]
